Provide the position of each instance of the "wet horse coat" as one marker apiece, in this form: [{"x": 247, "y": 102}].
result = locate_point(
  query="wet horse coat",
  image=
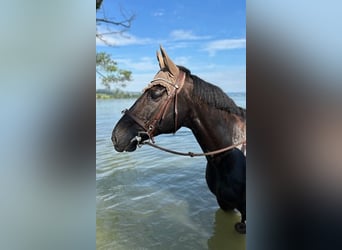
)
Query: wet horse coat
[
  {"x": 226, "y": 178},
  {"x": 176, "y": 98}
]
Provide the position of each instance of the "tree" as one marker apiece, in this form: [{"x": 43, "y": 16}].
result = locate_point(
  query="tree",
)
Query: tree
[
  {"x": 98, "y": 4},
  {"x": 108, "y": 72},
  {"x": 106, "y": 68},
  {"x": 112, "y": 26}
]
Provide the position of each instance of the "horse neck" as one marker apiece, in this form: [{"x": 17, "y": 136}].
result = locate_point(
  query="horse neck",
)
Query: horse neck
[{"x": 215, "y": 129}]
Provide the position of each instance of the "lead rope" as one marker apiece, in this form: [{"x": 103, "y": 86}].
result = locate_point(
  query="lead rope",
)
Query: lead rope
[{"x": 191, "y": 154}]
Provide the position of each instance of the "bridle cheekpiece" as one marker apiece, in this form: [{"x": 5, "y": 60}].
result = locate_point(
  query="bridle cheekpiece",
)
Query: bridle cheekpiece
[{"x": 172, "y": 89}]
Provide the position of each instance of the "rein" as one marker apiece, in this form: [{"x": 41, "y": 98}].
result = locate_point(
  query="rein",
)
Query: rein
[
  {"x": 138, "y": 139},
  {"x": 191, "y": 154}
]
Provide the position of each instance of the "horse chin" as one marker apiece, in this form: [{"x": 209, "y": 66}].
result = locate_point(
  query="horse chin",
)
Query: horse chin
[{"x": 132, "y": 146}]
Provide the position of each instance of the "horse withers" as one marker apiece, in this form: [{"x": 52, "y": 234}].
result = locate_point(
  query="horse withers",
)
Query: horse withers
[{"x": 176, "y": 98}]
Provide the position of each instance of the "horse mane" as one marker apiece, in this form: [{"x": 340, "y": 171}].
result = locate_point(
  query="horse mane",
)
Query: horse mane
[{"x": 213, "y": 95}]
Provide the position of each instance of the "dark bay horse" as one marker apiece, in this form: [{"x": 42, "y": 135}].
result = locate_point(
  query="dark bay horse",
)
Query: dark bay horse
[{"x": 176, "y": 98}]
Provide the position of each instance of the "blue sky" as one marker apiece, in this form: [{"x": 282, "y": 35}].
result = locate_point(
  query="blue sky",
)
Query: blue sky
[{"x": 207, "y": 37}]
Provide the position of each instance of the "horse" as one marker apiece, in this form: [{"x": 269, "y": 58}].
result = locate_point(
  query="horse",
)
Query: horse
[{"x": 175, "y": 98}]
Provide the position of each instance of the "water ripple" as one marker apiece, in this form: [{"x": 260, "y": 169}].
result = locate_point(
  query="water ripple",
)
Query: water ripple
[{"x": 149, "y": 199}]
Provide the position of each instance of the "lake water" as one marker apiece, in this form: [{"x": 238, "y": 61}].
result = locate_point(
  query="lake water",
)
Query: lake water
[{"x": 149, "y": 199}]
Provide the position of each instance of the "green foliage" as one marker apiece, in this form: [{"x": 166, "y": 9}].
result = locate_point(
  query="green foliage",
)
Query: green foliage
[{"x": 108, "y": 72}]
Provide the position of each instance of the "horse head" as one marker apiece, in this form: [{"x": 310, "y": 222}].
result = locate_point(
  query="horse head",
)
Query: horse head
[{"x": 160, "y": 109}]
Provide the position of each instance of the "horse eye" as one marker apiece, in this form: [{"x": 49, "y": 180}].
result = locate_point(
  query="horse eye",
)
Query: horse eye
[{"x": 157, "y": 92}]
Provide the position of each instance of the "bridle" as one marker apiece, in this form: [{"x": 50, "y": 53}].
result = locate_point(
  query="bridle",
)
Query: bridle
[{"x": 149, "y": 126}]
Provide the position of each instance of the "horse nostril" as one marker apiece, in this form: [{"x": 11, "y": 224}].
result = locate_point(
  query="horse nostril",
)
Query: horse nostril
[{"x": 114, "y": 139}]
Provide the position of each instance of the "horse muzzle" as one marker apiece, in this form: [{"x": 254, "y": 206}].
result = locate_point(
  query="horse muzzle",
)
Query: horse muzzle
[
  {"x": 122, "y": 147},
  {"x": 128, "y": 134}
]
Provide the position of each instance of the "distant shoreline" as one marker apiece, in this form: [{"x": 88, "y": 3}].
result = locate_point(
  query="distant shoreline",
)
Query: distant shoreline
[{"x": 115, "y": 94}]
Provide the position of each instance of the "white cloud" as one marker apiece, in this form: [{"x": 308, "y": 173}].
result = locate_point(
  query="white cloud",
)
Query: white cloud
[
  {"x": 174, "y": 45},
  {"x": 230, "y": 79},
  {"x": 185, "y": 35},
  {"x": 121, "y": 40},
  {"x": 180, "y": 36},
  {"x": 224, "y": 44},
  {"x": 159, "y": 12},
  {"x": 182, "y": 60},
  {"x": 144, "y": 64}
]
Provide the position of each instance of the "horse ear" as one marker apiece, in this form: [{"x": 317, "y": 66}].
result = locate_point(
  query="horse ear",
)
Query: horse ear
[
  {"x": 172, "y": 67},
  {"x": 160, "y": 60}
]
